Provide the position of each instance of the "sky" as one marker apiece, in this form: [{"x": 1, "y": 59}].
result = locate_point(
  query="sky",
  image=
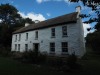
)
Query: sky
[{"x": 46, "y": 9}]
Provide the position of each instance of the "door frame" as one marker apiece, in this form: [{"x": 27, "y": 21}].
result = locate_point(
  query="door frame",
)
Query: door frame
[{"x": 34, "y": 44}]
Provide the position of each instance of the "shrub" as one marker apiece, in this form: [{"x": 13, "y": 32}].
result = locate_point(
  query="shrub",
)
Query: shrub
[
  {"x": 33, "y": 57},
  {"x": 41, "y": 58},
  {"x": 56, "y": 62},
  {"x": 4, "y": 51},
  {"x": 72, "y": 62}
]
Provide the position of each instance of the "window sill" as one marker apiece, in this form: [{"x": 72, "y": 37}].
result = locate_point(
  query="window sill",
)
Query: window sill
[
  {"x": 52, "y": 36},
  {"x": 64, "y": 53},
  {"x": 52, "y": 52},
  {"x": 36, "y": 38},
  {"x": 65, "y": 36}
]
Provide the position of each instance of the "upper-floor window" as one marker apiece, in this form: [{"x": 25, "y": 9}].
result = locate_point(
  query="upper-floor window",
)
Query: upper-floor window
[
  {"x": 36, "y": 35},
  {"x": 19, "y": 37},
  {"x": 26, "y": 36},
  {"x": 15, "y": 38},
  {"x": 64, "y": 31},
  {"x": 52, "y": 47},
  {"x": 64, "y": 47},
  {"x": 53, "y": 32}
]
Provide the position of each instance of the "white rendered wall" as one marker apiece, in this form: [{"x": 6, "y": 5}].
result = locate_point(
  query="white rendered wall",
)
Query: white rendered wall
[{"x": 74, "y": 39}]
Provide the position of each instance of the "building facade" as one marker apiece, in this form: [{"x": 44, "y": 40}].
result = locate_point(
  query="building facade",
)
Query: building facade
[{"x": 62, "y": 35}]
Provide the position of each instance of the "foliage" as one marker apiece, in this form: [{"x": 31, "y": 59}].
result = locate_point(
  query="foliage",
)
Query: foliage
[
  {"x": 55, "y": 61},
  {"x": 93, "y": 39},
  {"x": 33, "y": 57},
  {"x": 72, "y": 61},
  {"x": 13, "y": 67},
  {"x": 94, "y": 5},
  {"x": 4, "y": 51},
  {"x": 11, "y": 20}
]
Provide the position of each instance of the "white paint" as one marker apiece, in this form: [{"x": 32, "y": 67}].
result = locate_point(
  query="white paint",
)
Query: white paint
[
  {"x": 78, "y": 9},
  {"x": 27, "y": 24},
  {"x": 36, "y": 21},
  {"x": 75, "y": 39}
]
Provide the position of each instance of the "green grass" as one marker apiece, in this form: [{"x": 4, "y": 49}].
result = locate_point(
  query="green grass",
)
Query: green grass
[{"x": 90, "y": 66}]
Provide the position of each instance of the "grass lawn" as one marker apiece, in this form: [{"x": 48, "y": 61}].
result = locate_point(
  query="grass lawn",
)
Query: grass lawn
[{"x": 91, "y": 66}]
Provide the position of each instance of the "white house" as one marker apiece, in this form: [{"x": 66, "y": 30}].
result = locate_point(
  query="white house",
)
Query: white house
[{"x": 59, "y": 36}]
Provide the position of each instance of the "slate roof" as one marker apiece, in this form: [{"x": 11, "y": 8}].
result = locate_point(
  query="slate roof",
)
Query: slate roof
[{"x": 65, "y": 19}]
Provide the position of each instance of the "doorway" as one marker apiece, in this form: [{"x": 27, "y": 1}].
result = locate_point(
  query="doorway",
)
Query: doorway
[{"x": 36, "y": 47}]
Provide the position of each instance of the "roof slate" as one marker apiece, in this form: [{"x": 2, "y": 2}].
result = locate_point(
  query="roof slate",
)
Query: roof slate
[{"x": 65, "y": 19}]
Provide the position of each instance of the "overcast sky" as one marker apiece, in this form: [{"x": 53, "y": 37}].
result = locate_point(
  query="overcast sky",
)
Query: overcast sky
[{"x": 47, "y": 9}]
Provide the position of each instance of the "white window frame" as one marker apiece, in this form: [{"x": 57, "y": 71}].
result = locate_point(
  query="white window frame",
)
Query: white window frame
[
  {"x": 52, "y": 32},
  {"x": 64, "y": 31},
  {"x": 52, "y": 47},
  {"x": 15, "y": 47},
  {"x": 26, "y": 47},
  {"x": 15, "y": 38},
  {"x": 18, "y": 47},
  {"x": 64, "y": 47},
  {"x": 19, "y": 37},
  {"x": 26, "y": 36},
  {"x": 36, "y": 34}
]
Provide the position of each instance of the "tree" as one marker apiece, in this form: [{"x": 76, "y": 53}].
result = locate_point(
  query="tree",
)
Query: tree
[
  {"x": 95, "y": 5},
  {"x": 9, "y": 14},
  {"x": 10, "y": 21}
]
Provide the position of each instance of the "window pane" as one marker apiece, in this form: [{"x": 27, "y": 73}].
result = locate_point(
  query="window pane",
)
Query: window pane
[
  {"x": 64, "y": 47},
  {"x": 64, "y": 50},
  {"x": 19, "y": 37},
  {"x": 36, "y": 34},
  {"x": 19, "y": 47},
  {"x": 26, "y": 36},
  {"x": 26, "y": 47},
  {"x": 16, "y": 38},
  {"x": 52, "y": 47},
  {"x": 15, "y": 46},
  {"x": 64, "y": 30},
  {"x": 53, "y": 32}
]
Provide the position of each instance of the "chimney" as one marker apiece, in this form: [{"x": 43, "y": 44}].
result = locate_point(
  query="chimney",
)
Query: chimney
[
  {"x": 36, "y": 21},
  {"x": 27, "y": 24},
  {"x": 78, "y": 9}
]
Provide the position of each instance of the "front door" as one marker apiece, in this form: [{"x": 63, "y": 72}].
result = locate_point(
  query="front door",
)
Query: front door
[{"x": 36, "y": 46}]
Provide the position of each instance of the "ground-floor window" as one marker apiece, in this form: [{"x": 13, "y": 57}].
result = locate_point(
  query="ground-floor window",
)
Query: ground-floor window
[
  {"x": 52, "y": 47},
  {"x": 64, "y": 47},
  {"x": 18, "y": 47},
  {"x": 15, "y": 46},
  {"x": 26, "y": 47}
]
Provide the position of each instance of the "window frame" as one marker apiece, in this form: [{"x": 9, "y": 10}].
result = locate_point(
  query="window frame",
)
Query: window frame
[
  {"x": 15, "y": 38},
  {"x": 26, "y": 47},
  {"x": 26, "y": 36},
  {"x": 52, "y": 47},
  {"x": 64, "y": 47},
  {"x": 18, "y": 47},
  {"x": 64, "y": 31},
  {"x": 53, "y": 32},
  {"x": 19, "y": 37},
  {"x": 15, "y": 47},
  {"x": 36, "y": 34}
]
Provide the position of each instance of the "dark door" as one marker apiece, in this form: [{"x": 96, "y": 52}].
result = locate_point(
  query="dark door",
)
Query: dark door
[{"x": 36, "y": 47}]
